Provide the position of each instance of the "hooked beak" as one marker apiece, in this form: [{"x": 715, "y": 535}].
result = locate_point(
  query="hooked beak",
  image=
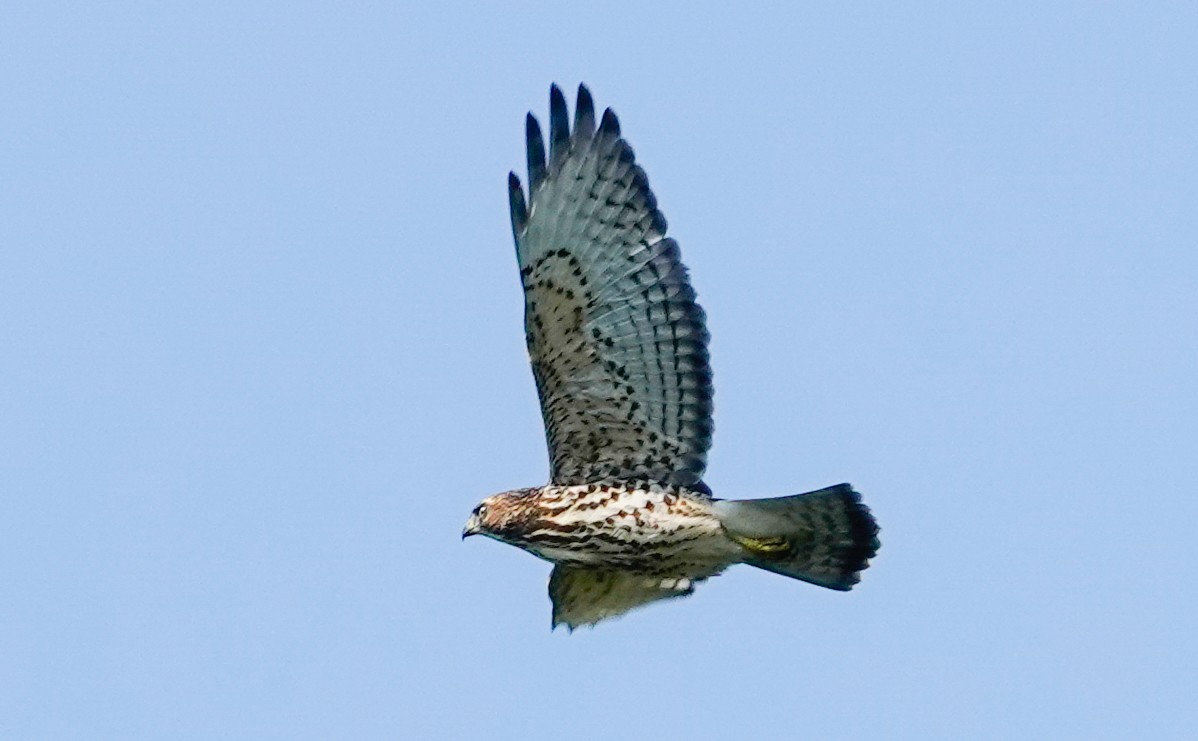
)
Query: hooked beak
[{"x": 472, "y": 527}]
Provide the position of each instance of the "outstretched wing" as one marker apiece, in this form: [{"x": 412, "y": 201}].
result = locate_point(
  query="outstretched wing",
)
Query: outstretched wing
[
  {"x": 617, "y": 342},
  {"x": 584, "y": 596}
]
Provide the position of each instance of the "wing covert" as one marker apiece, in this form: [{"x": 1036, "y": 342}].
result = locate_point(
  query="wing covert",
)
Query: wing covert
[{"x": 617, "y": 342}]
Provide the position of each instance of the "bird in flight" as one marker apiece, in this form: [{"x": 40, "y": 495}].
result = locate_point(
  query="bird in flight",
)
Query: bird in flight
[{"x": 619, "y": 353}]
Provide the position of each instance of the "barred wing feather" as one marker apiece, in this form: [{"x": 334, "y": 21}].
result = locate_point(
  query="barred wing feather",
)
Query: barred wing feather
[{"x": 617, "y": 342}]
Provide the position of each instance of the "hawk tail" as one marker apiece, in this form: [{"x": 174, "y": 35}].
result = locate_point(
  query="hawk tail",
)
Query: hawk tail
[{"x": 824, "y": 537}]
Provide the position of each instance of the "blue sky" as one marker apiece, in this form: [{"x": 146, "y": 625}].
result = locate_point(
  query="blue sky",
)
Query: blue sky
[{"x": 263, "y": 354}]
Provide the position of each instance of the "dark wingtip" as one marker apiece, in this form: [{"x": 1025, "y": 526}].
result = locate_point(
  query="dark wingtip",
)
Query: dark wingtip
[
  {"x": 609, "y": 123},
  {"x": 515, "y": 194},
  {"x": 559, "y": 124},
  {"x": 536, "y": 152},
  {"x": 584, "y": 114}
]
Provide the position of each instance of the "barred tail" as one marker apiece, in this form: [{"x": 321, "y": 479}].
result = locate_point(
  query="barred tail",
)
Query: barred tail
[{"x": 825, "y": 537}]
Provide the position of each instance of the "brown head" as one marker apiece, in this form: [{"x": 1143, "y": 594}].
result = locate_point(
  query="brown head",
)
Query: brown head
[{"x": 501, "y": 516}]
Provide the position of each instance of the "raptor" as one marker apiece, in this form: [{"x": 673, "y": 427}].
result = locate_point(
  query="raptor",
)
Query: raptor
[{"x": 619, "y": 352}]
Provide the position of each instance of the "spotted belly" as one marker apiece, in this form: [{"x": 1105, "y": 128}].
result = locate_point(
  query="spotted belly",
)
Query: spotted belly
[{"x": 648, "y": 529}]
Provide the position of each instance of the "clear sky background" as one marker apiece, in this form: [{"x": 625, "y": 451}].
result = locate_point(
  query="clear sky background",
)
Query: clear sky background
[{"x": 262, "y": 353}]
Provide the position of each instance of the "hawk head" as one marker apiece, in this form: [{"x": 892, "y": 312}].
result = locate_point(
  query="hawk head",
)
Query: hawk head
[{"x": 501, "y": 515}]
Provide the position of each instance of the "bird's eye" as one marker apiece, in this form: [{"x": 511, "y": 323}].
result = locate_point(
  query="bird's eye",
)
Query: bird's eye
[{"x": 481, "y": 510}]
